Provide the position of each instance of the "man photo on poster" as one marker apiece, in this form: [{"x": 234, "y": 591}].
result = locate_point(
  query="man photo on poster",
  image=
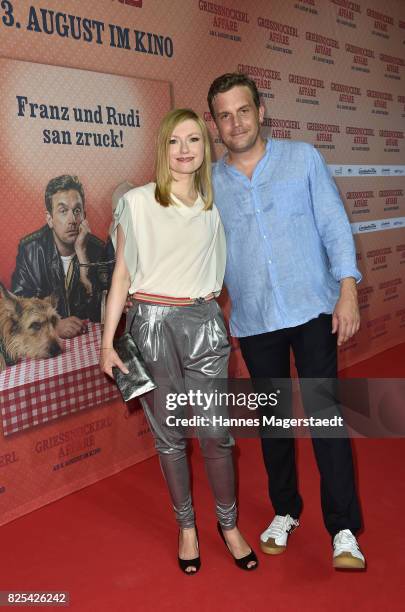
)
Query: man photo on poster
[
  {"x": 61, "y": 258},
  {"x": 291, "y": 275}
]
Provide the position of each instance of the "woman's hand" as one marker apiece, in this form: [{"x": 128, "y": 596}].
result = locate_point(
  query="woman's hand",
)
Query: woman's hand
[
  {"x": 108, "y": 359},
  {"x": 129, "y": 303}
]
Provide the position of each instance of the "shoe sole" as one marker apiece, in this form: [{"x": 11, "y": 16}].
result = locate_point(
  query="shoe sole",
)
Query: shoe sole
[
  {"x": 271, "y": 548},
  {"x": 347, "y": 561}
]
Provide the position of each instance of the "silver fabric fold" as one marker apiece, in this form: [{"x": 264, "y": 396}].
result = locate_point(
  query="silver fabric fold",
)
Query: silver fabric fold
[{"x": 186, "y": 349}]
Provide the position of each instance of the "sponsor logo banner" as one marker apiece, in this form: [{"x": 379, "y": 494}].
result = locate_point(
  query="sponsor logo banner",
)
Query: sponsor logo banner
[
  {"x": 378, "y": 225},
  {"x": 364, "y": 170}
]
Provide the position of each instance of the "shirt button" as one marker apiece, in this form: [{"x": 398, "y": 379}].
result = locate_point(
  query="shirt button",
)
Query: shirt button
[
  {"x": 264, "y": 236},
  {"x": 258, "y": 210},
  {"x": 270, "y": 261}
]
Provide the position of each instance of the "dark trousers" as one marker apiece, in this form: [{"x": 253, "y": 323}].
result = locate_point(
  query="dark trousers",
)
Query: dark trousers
[{"x": 315, "y": 352}]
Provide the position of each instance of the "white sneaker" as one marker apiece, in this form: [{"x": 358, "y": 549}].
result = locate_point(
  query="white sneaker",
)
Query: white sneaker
[
  {"x": 346, "y": 551},
  {"x": 273, "y": 541}
]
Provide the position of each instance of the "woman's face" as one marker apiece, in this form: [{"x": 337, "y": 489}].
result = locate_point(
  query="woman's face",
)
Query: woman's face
[{"x": 186, "y": 149}]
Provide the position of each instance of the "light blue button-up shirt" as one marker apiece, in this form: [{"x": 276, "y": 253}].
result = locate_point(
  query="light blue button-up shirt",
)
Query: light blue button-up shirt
[{"x": 289, "y": 241}]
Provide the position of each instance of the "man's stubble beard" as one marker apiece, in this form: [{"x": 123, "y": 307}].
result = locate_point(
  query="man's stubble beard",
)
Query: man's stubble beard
[{"x": 248, "y": 146}]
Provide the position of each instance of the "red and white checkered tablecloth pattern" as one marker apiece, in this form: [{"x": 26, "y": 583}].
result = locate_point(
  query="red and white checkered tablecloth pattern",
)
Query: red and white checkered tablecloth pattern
[
  {"x": 79, "y": 352},
  {"x": 35, "y": 392}
]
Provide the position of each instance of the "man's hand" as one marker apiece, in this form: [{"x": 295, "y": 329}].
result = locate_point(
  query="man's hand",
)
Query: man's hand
[
  {"x": 346, "y": 316},
  {"x": 71, "y": 327},
  {"x": 80, "y": 242},
  {"x": 80, "y": 248}
]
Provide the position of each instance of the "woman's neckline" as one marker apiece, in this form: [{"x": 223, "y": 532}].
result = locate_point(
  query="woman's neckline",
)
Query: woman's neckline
[{"x": 186, "y": 204}]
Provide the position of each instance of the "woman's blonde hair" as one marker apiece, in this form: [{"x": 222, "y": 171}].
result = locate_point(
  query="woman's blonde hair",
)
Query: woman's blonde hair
[{"x": 164, "y": 178}]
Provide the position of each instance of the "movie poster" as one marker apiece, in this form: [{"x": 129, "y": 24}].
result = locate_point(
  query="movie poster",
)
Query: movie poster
[{"x": 71, "y": 142}]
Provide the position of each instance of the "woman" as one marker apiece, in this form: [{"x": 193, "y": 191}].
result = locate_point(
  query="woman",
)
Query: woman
[{"x": 170, "y": 252}]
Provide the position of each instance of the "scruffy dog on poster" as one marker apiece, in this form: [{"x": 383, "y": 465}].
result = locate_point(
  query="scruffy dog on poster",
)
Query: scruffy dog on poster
[{"x": 27, "y": 328}]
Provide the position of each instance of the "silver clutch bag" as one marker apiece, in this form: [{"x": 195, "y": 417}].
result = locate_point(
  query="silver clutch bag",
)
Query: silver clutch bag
[{"x": 139, "y": 380}]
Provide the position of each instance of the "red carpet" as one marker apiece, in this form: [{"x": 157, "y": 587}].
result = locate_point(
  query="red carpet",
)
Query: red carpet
[{"x": 113, "y": 545}]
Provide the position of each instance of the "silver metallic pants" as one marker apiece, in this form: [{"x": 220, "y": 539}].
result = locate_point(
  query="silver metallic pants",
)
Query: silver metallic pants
[{"x": 186, "y": 349}]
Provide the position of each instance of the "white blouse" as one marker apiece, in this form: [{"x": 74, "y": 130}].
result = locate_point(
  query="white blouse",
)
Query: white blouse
[{"x": 175, "y": 251}]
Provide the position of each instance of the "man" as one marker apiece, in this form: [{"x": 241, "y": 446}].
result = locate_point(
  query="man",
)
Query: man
[
  {"x": 291, "y": 276},
  {"x": 55, "y": 259}
]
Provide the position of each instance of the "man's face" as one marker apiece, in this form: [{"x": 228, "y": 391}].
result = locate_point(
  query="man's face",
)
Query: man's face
[
  {"x": 237, "y": 118},
  {"x": 67, "y": 215}
]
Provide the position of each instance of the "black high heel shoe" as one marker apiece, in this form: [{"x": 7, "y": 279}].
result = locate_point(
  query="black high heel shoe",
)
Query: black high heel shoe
[
  {"x": 243, "y": 562},
  {"x": 186, "y": 563}
]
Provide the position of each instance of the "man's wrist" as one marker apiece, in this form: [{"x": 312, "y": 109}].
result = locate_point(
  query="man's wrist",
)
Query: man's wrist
[
  {"x": 348, "y": 282},
  {"x": 348, "y": 287},
  {"x": 81, "y": 254},
  {"x": 85, "y": 281}
]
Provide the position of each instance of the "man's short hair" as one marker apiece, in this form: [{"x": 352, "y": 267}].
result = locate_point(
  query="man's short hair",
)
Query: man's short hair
[
  {"x": 225, "y": 82},
  {"x": 62, "y": 183}
]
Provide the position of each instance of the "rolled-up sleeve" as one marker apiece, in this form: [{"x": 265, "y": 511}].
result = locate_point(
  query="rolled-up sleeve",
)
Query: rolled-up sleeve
[
  {"x": 332, "y": 221},
  {"x": 123, "y": 216}
]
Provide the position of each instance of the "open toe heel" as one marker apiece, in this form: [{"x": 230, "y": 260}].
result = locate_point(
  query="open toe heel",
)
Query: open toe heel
[
  {"x": 184, "y": 564},
  {"x": 243, "y": 562}
]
